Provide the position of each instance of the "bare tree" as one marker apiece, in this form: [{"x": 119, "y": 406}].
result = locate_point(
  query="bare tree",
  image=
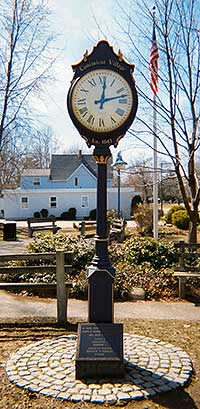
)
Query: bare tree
[
  {"x": 26, "y": 56},
  {"x": 35, "y": 152},
  {"x": 178, "y": 36},
  {"x": 44, "y": 143},
  {"x": 11, "y": 159},
  {"x": 139, "y": 174}
]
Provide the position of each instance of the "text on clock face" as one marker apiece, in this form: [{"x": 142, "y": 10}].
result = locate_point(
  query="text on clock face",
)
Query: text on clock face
[{"x": 102, "y": 100}]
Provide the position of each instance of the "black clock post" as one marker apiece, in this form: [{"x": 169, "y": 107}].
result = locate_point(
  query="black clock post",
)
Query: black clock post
[
  {"x": 101, "y": 272},
  {"x": 102, "y": 103}
]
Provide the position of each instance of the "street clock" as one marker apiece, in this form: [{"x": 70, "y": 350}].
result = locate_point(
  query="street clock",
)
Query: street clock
[{"x": 102, "y": 99}]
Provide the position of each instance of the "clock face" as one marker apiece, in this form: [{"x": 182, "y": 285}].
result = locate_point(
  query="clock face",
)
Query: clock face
[{"x": 102, "y": 100}]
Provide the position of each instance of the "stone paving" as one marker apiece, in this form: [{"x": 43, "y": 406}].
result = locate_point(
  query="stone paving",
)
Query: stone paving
[{"x": 48, "y": 367}]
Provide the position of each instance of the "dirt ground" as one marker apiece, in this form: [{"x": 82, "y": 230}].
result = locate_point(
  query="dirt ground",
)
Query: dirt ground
[{"x": 14, "y": 335}]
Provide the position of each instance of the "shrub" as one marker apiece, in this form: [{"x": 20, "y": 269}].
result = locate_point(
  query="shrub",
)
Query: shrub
[
  {"x": 93, "y": 214},
  {"x": 181, "y": 219},
  {"x": 72, "y": 213},
  {"x": 44, "y": 213},
  {"x": 135, "y": 202},
  {"x": 82, "y": 250},
  {"x": 139, "y": 262},
  {"x": 138, "y": 250},
  {"x": 112, "y": 215},
  {"x": 156, "y": 283},
  {"x": 144, "y": 262},
  {"x": 143, "y": 216},
  {"x": 81, "y": 257},
  {"x": 36, "y": 215},
  {"x": 64, "y": 216},
  {"x": 173, "y": 209},
  {"x": 80, "y": 287},
  {"x": 69, "y": 215}
]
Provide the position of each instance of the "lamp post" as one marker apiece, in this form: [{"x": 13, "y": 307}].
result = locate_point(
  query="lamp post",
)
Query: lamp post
[{"x": 118, "y": 165}]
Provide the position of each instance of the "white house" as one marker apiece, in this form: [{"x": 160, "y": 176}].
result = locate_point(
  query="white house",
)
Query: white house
[{"x": 70, "y": 182}]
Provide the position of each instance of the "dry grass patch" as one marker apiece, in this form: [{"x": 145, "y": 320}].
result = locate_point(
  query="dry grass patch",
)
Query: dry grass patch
[{"x": 183, "y": 334}]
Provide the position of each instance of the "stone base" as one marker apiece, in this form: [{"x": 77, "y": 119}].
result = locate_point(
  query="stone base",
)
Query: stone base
[
  {"x": 89, "y": 369},
  {"x": 151, "y": 367},
  {"x": 99, "y": 351}
]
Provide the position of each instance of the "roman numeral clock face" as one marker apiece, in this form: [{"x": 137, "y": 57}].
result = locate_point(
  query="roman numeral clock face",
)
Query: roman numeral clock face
[{"x": 102, "y": 100}]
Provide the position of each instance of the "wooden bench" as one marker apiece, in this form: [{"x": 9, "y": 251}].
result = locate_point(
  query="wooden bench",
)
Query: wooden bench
[
  {"x": 117, "y": 230},
  {"x": 42, "y": 225},
  {"x": 189, "y": 258},
  {"x": 86, "y": 228},
  {"x": 61, "y": 287}
]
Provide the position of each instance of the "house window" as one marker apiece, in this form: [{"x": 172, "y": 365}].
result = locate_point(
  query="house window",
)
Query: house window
[
  {"x": 76, "y": 181},
  {"x": 36, "y": 181},
  {"x": 53, "y": 201},
  {"x": 24, "y": 202},
  {"x": 84, "y": 201}
]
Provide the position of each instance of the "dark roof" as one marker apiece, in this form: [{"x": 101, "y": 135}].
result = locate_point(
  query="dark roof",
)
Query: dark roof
[{"x": 62, "y": 166}]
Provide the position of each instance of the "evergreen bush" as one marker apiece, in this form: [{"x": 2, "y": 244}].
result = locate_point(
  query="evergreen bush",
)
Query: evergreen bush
[
  {"x": 93, "y": 214},
  {"x": 156, "y": 283},
  {"x": 173, "y": 209},
  {"x": 69, "y": 215},
  {"x": 139, "y": 262},
  {"x": 44, "y": 213},
  {"x": 72, "y": 213},
  {"x": 138, "y": 250},
  {"x": 181, "y": 219},
  {"x": 135, "y": 202},
  {"x": 143, "y": 216},
  {"x": 112, "y": 215},
  {"x": 64, "y": 216}
]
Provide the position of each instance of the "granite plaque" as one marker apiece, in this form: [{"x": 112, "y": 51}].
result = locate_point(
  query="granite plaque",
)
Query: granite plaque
[{"x": 99, "y": 351}]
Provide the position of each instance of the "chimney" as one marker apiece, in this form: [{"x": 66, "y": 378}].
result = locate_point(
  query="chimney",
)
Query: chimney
[{"x": 79, "y": 153}]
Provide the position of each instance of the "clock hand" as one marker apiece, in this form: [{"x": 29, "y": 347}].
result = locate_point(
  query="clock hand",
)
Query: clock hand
[
  {"x": 118, "y": 96},
  {"x": 102, "y": 101}
]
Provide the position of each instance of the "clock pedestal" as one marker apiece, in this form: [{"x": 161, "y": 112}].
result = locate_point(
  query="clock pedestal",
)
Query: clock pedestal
[
  {"x": 100, "y": 342},
  {"x": 101, "y": 273}
]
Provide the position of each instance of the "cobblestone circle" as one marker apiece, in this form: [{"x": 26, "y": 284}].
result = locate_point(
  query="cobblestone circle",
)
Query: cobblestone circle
[{"x": 48, "y": 367}]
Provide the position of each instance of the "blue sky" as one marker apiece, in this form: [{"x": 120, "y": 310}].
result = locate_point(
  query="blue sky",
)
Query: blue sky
[{"x": 74, "y": 21}]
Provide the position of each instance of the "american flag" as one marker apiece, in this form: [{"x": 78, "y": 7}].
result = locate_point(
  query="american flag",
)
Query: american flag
[{"x": 153, "y": 63}]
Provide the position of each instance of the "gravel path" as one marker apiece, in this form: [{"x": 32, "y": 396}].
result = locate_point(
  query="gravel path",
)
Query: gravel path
[{"x": 18, "y": 306}]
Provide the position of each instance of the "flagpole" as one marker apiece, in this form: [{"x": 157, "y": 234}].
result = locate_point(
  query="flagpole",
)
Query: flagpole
[
  {"x": 153, "y": 67},
  {"x": 155, "y": 172}
]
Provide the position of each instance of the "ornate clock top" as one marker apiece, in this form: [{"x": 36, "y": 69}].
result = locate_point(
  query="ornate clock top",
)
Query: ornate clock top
[
  {"x": 101, "y": 55},
  {"x": 102, "y": 99}
]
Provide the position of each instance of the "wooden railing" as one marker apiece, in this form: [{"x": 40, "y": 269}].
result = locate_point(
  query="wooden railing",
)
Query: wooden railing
[
  {"x": 62, "y": 287},
  {"x": 117, "y": 230},
  {"x": 86, "y": 228},
  {"x": 188, "y": 266}
]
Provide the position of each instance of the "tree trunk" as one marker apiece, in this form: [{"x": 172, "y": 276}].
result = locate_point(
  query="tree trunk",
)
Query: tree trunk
[{"x": 192, "y": 234}]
